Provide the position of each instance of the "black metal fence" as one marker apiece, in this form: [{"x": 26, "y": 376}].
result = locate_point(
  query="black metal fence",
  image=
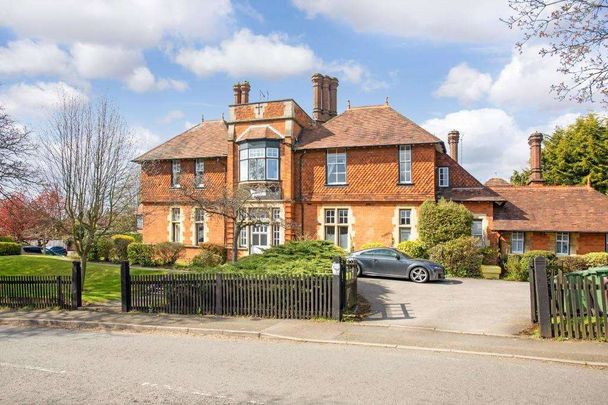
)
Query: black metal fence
[
  {"x": 565, "y": 306},
  {"x": 42, "y": 291},
  {"x": 265, "y": 296}
]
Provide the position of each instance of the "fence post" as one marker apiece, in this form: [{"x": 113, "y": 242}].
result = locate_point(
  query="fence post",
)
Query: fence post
[
  {"x": 542, "y": 296},
  {"x": 59, "y": 293},
  {"x": 336, "y": 288},
  {"x": 218, "y": 294},
  {"x": 125, "y": 286},
  {"x": 533, "y": 312},
  {"x": 76, "y": 285}
]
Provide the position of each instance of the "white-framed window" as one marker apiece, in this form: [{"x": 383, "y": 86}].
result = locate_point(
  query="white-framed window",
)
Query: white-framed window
[
  {"x": 335, "y": 226},
  {"x": 477, "y": 229},
  {"x": 336, "y": 168},
  {"x": 139, "y": 222},
  {"x": 176, "y": 225},
  {"x": 199, "y": 173},
  {"x": 199, "y": 226},
  {"x": 243, "y": 232},
  {"x": 405, "y": 164},
  {"x": 176, "y": 169},
  {"x": 443, "y": 173},
  {"x": 259, "y": 160},
  {"x": 517, "y": 242},
  {"x": 276, "y": 226},
  {"x": 405, "y": 224},
  {"x": 562, "y": 243}
]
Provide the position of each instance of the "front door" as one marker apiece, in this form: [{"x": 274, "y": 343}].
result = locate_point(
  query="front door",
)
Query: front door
[{"x": 259, "y": 238}]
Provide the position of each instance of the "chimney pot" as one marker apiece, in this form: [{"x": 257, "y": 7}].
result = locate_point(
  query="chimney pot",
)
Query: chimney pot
[
  {"x": 453, "y": 140},
  {"x": 245, "y": 87},
  {"x": 333, "y": 96},
  {"x": 535, "y": 141},
  {"x": 237, "y": 93}
]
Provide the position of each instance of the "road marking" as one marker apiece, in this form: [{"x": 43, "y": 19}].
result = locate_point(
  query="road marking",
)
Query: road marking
[
  {"x": 194, "y": 392},
  {"x": 25, "y": 367}
]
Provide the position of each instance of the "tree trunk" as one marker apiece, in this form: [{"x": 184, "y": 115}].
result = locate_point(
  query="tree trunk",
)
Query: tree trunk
[
  {"x": 235, "y": 244},
  {"x": 83, "y": 267}
]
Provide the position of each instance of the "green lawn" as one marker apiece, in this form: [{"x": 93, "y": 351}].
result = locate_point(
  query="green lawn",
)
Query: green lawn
[{"x": 102, "y": 281}]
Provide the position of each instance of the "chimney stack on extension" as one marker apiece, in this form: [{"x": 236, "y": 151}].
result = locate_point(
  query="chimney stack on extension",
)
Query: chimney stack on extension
[
  {"x": 453, "y": 140},
  {"x": 535, "y": 141},
  {"x": 325, "y": 97}
]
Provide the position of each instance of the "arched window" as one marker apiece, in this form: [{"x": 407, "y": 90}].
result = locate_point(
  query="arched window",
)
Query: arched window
[{"x": 259, "y": 160}]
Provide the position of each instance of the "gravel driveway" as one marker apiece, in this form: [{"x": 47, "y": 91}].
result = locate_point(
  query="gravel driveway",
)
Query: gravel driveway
[{"x": 465, "y": 305}]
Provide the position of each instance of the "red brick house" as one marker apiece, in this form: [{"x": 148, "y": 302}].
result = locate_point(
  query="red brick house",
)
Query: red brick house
[{"x": 355, "y": 177}]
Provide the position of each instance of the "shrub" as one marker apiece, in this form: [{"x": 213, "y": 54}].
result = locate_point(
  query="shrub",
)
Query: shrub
[
  {"x": 443, "y": 221},
  {"x": 371, "y": 245},
  {"x": 207, "y": 258},
  {"x": 121, "y": 243},
  {"x": 7, "y": 239},
  {"x": 137, "y": 237},
  {"x": 490, "y": 255},
  {"x": 168, "y": 252},
  {"x": 596, "y": 259},
  {"x": 522, "y": 273},
  {"x": 461, "y": 257},
  {"x": 571, "y": 263},
  {"x": 105, "y": 248},
  {"x": 9, "y": 249},
  {"x": 512, "y": 267},
  {"x": 141, "y": 253},
  {"x": 217, "y": 249},
  {"x": 413, "y": 248}
]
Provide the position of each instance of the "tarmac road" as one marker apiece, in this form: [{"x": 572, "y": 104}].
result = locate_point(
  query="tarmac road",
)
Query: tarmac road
[{"x": 60, "y": 366}]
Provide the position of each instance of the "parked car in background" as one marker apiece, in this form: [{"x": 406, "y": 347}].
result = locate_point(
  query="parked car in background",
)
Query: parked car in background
[
  {"x": 32, "y": 249},
  {"x": 56, "y": 251},
  {"x": 389, "y": 262}
]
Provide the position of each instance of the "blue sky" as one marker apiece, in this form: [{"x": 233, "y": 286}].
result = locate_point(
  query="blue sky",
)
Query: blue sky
[{"x": 443, "y": 64}]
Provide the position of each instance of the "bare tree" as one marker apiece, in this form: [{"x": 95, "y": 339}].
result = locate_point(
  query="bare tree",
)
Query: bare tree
[
  {"x": 89, "y": 148},
  {"x": 15, "y": 151},
  {"x": 577, "y": 33}
]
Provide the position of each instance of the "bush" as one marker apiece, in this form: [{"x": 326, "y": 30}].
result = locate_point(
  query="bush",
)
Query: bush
[
  {"x": 168, "y": 252},
  {"x": 568, "y": 264},
  {"x": 7, "y": 239},
  {"x": 413, "y": 248},
  {"x": 443, "y": 221},
  {"x": 596, "y": 259},
  {"x": 9, "y": 249},
  {"x": 121, "y": 243},
  {"x": 371, "y": 245},
  {"x": 219, "y": 250},
  {"x": 522, "y": 273},
  {"x": 461, "y": 257},
  {"x": 141, "y": 253},
  {"x": 105, "y": 248},
  {"x": 207, "y": 258},
  {"x": 490, "y": 255},
  {"x": 137, "y": 237},
  {"x": 512, "y": 267}
]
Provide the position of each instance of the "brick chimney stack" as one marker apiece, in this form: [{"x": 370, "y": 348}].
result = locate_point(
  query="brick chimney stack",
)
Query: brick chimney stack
[
  {"x": 453, "y": 140},
  {"x": 333, "y": 96},
  {"x": 536, "y": 171},
  {"x": 317, "y": 97},
  {"x": 245, "y": 87},
  {"x": 237, "y": 93},
  {"x": 325, "y": 101}
]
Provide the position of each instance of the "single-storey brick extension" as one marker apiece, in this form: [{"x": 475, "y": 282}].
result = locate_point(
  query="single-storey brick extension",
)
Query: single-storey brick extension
[{"x": 351, "y": 178}]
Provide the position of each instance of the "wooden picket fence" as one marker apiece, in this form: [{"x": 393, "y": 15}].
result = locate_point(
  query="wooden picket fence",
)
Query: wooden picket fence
[
  {"x": 42, "y": 291},
  {"x": 264, "y": 296},
  {"x": 568, "y": 306}
]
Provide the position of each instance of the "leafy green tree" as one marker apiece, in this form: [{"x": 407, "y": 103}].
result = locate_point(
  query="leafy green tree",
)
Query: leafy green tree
[
  {"x": 520, "y": 178},
  {"x": 443, "y": 221}
]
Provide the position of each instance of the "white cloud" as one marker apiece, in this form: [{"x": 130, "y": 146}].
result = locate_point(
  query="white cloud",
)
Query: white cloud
[
  {"x": 95, "y": 61},
  {"x": 144, "y": 139},
  {"x": 248, "y": 54},
  {"x": 445, "y": 20},
  {"x": 465, "y": 83},
  {"x": 33, "y": 58},
  {"x": 171, "y": 116},
  {"x": 135, "y": 23},
  {"x": 142, "y": 80},
  {"x": 37, "y": 100}
]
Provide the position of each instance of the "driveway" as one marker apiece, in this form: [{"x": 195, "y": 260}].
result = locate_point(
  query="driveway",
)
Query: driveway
[{"x": 465, "y": 305}]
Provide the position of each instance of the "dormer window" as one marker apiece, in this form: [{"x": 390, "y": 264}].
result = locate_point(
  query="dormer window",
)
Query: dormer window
[
  {"x": 176, "y": 169},
  {"x": 259, "y": 161}
]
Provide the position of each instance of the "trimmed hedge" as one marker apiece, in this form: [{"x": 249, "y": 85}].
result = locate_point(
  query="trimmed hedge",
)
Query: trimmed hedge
[
  {"x": 371, "y": 245},
  {"x": 596, "y": 259},
  {"x": 141, "y": 253},
  {"x": 7, "y": 239},
  {"x": 10, "y": 249},
  {"x": 521, "y": 272},
  {"x": 461, "y": 257},
  {"x": 490, "y": 255},
  {"x": 121, "y": 243},
  {"x": 413, "y": 248},
  {"x": 571, "y": 263},
  {"x": 219, "y": 250},
  {"x": 443, "y": 221}
]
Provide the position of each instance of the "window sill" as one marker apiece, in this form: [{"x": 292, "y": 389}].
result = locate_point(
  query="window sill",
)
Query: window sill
[
  {"x": 178, "y": 187},
  {"x": 336, "y": 185},
  {"x": 443, "y": 186},
  {"x": 405, "y": 184}
]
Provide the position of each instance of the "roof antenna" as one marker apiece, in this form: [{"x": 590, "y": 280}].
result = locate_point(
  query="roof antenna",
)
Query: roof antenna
[
  {"x": 386, "y": 101},
  {"x": 348, "y": 104},
  {"x": 223, "y": 117}
]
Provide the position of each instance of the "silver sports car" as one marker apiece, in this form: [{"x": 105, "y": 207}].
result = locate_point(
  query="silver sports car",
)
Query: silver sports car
[{"x": 389, "y": 262}]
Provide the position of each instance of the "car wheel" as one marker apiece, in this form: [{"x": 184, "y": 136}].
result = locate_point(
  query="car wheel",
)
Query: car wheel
[
  {"x": 419, "y": 275},
  {"x": 359, "y": 271}
]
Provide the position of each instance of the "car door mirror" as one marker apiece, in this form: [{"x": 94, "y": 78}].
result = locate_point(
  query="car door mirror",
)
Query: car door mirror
[{"x": 397, "y": 257}]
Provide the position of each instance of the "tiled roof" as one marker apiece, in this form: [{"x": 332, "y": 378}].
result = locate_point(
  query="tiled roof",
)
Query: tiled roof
[
  {"x": 365, "y": 126},
  {"x": 463, "y": 186},
  {"x": 551, "y": 209},
  {"x": 259, "y": 132},
  {"x": 496, "y": 181},
  {"x": 207, "y": 139}
]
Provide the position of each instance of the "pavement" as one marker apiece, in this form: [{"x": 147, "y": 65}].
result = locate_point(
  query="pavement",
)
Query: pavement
[
  {"x": 42, "y": 365},
  {"x": 495, "y": 307},
  {"x": 326, "y": 332}
]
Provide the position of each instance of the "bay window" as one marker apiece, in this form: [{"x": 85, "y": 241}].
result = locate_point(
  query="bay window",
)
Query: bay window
[{"x": 259, "y": 161}]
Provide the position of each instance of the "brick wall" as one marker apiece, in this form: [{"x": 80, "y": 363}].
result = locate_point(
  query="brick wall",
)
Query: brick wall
[{"x": 580, "y": 243}]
